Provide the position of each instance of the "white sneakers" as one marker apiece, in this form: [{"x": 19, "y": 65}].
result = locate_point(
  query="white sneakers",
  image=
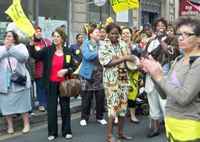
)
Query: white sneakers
[
  {"x": 83, "y": 122},
  {"x": 102, "y": 121},
  {"x": 26, "y": 129},
  {"x": 10, "y": 130},
  {"x": 50, "y": 138},
  {"x": 68, "y": 136}
]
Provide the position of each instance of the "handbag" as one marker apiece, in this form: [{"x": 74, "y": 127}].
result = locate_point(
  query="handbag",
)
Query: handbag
[
  {"x": 17, "y": 77},
  {"x": 70, "y": 88}
]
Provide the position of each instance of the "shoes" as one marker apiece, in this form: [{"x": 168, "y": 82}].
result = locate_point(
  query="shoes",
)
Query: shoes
[
  {"x": 110, "y": 139},
  {"x": 41, "y": 108},
  {"x": 26, "y": 129},
  {"x": 68, "y": 136},
  {"x": 153, "y": 133},
  {"x": 32, "y": 114},
  {"x": 102, "y": 121},
  {"x": 124, "y": 137},
  {"x": 10, "y": 131},
  {"x": 116, "y": 120},
  {"x": 83, "y": 122},
  {"x": 51, "y": 138},
  {"x": 136, "y": 121}
]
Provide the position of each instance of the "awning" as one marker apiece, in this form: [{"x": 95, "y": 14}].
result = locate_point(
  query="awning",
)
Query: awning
[{"x": 190, "y": 8}]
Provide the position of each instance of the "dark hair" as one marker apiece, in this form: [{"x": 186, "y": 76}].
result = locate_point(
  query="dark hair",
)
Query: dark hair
[
  {"x": 92, "y": 27},
  {"x": 112, "y": 26},
  {"x": 130, "y": 30},
  {"x": 15, "y": 36},
  {"x": 77, "y": 36},
  {"x": 36, "y": 27},
  {"x": 61, "y": 32},
  {"x": 162, "y": 20},
  {"x": 171, "y": 26},
  {"x": 191, "y": 22}
]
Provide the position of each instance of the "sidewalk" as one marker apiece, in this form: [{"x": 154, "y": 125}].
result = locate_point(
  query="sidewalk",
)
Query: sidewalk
[{"x": 37, "y": 117}]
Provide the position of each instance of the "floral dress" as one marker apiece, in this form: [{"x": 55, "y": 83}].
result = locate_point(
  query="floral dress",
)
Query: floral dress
[{"x": 115, "y": 78}]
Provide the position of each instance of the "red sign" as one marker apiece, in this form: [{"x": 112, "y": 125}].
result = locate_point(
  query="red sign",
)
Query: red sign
[{"x": 189, "y": 8}]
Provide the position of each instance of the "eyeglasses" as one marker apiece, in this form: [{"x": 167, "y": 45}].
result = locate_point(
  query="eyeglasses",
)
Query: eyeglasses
[{"x": 185, "y": 34}]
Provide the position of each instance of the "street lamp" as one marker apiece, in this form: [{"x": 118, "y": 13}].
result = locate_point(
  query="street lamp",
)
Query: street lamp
[{"x": 99, "y": 2}]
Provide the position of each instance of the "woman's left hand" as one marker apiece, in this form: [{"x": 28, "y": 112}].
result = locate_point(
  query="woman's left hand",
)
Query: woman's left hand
[
  {"x": 152, "y": 67},
  {"x": 62, "y": 72}
]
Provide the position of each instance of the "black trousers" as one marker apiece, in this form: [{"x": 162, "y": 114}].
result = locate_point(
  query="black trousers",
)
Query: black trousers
[
  {"x": 52, "y": 103},
  {"x": 87, "y": 97}
]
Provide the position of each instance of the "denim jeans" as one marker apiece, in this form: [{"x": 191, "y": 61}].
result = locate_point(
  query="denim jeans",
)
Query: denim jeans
[{"x": 41, "y": 93}]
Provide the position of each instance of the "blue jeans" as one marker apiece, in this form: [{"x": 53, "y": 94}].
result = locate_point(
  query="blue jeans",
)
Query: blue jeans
[{"x": 41, "y": 93}]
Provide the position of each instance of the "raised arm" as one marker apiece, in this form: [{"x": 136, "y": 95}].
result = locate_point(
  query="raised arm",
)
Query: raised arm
[
  {"x": 87, "y": 53},
  {"x": 19, "y": 51},
  {"x": 185, "y": 92}
]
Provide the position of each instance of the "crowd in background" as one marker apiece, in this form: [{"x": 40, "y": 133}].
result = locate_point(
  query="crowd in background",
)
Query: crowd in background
[{"x": 119, "y": 67}]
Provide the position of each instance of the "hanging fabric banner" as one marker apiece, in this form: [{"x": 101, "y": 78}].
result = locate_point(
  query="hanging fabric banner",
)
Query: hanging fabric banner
[
  {"x": 16, "y": 13},
  {"x": 123, "y": 5}
]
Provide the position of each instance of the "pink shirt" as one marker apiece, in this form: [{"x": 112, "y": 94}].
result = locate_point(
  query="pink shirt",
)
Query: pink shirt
[{"x": 57, "y": 64}]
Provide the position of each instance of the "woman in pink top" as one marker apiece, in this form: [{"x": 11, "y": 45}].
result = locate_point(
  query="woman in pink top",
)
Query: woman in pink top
[{"x": 58, "y": 64}]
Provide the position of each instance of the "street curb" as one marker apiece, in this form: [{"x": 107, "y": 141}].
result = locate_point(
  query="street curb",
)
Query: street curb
[{"x": 38, "y": 118}]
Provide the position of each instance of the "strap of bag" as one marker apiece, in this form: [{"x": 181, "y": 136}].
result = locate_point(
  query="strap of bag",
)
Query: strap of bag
[{"x": 10, "y": 64}]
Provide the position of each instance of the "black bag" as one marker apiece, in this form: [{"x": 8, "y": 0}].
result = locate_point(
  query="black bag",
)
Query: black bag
[{"x": 17, "y": 77}]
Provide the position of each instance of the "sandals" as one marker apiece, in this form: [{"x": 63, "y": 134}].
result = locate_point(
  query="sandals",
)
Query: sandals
[
  {"x": 125, "y": 137},
  {"x": 110, "y": 139}
]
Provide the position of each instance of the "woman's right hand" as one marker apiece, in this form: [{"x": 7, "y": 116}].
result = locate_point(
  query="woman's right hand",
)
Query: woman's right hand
[
  {"x": 152, "y": 67},
  {"x": 62, "y": 72}
]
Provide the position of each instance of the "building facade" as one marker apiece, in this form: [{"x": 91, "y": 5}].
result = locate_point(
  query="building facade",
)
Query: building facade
[
  {"x": 74, "y": 13},
  {"x": 149, "y": 11}
]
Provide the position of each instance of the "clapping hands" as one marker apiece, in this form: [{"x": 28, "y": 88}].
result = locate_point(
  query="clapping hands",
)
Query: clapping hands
[{"x": 152, "y": 67}]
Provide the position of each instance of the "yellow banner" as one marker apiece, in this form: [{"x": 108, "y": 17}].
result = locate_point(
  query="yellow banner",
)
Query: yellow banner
[
  {"x": 122, "y": 5},
  {"x": 16, "y": 13}
]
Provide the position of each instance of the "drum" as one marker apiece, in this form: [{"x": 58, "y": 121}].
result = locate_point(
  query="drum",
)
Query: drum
[{"x": 132, "y": 66}]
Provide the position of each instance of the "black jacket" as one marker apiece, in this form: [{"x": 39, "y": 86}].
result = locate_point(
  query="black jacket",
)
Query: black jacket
[{"x": 46, "y": 55}]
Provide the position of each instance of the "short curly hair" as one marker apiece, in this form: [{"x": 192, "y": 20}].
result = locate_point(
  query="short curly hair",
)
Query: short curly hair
[
  {"x": 162, "y": 20},
  {"x": 193, "y": 22},
  {"x": 112, "y": 26}
]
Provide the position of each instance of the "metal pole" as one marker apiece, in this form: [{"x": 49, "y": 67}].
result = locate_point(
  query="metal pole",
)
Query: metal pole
[
  {"x": 69, "y": 17},
  {"x": 100, "y": 10},
  {"x": 130, "y": 18},
  {"x": 37, "y": 12}
]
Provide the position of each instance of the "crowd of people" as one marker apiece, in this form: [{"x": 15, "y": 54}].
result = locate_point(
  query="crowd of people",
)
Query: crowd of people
[{"x": 115, "y": 65}]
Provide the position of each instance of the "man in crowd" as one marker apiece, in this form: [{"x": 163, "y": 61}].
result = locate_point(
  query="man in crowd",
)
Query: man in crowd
[{"x": 40, "y": 43}]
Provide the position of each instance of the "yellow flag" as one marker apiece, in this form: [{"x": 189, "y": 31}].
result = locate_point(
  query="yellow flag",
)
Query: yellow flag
[
  {"x": 123, "y": 5},
  {"x": 16, "y": 13}
]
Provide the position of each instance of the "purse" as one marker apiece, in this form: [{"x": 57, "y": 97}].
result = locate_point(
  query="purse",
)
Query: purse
[
  {"x": 17, "y": 77},
  {"x": 70, "y": 88}
]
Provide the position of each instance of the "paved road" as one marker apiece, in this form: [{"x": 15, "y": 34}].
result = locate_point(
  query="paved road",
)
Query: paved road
[{"x": 92, "y": 133}]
